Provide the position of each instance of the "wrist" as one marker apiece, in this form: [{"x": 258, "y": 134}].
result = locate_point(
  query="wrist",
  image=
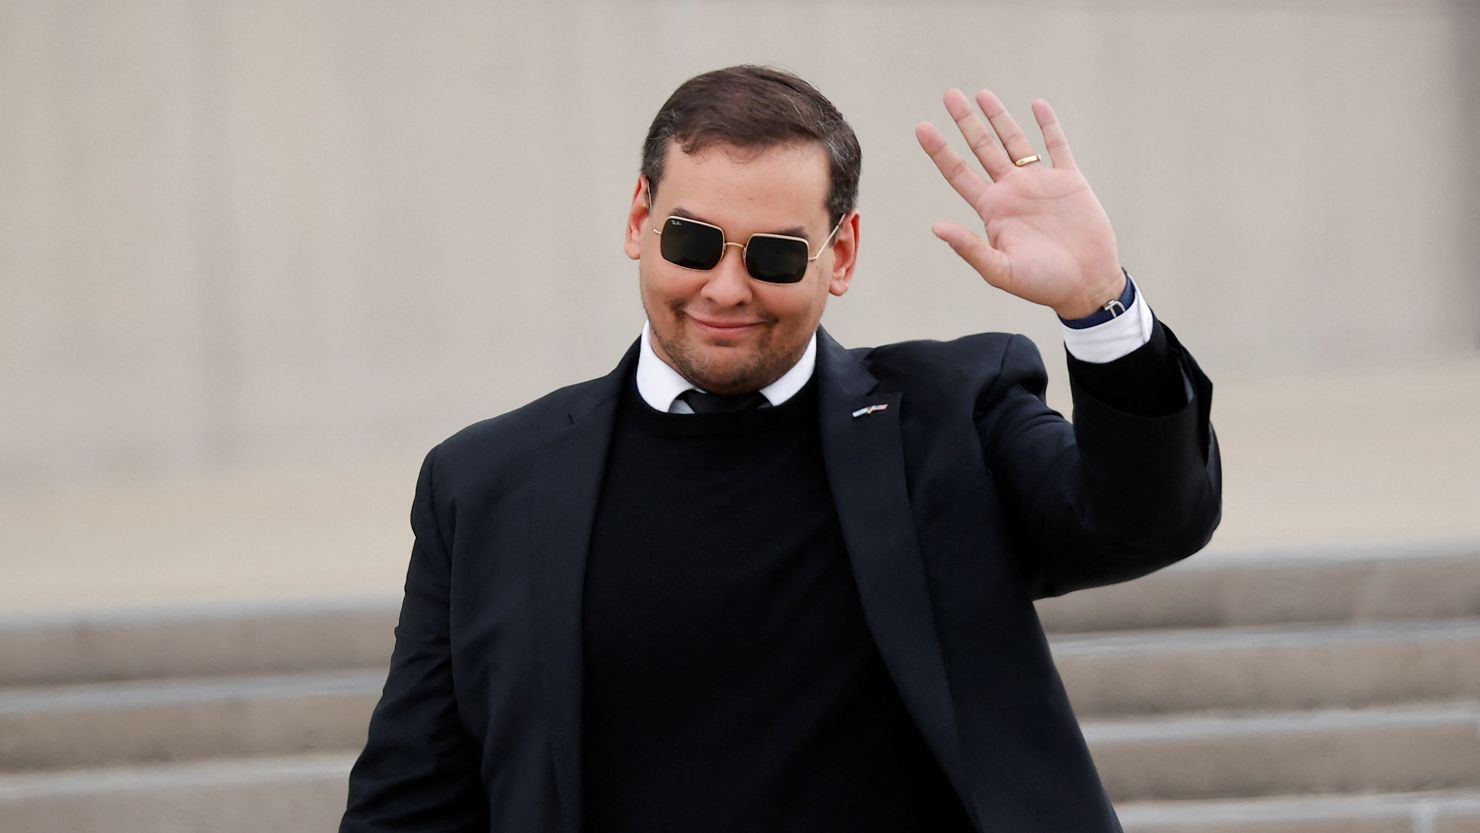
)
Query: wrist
[{"x": 1093, "y": 302}]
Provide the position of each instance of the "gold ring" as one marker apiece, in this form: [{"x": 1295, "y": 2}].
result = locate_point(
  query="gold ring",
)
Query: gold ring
[{"x": 1026, "y": 160}]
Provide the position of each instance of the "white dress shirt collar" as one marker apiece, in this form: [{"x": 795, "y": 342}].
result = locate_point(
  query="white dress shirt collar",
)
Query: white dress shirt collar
[{"x": 659, "y": 384}]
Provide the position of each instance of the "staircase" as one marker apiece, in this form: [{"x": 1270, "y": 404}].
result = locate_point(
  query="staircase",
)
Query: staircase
[
  {"x": 1283, "y": 694},
  {"x": 1279, "y": 693}
]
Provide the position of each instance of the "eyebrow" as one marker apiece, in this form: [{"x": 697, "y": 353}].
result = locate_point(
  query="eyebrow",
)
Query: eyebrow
[{"x": 794, "y": 231}]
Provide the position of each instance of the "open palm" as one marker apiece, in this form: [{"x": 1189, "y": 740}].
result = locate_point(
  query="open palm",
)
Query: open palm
[{"x": 1048, "y": 239}]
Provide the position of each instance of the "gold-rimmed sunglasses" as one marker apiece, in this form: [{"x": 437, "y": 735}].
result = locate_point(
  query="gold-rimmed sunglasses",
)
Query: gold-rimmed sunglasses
[{"x": 773, "y": 258}]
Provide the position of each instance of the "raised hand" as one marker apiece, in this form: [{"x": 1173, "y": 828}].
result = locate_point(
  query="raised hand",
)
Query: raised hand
[{"x": 1048, "y": 239}]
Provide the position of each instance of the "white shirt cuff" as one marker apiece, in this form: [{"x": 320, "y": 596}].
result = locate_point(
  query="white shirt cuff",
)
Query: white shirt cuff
[{"x": 1113, "y": 339}]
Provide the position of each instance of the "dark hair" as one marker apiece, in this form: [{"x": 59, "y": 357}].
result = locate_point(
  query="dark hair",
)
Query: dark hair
[{"x": 755, "y": 108}]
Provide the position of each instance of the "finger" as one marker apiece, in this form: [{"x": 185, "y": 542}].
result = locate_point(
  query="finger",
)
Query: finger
[
  {"x": 987, "y": 261},
  {"x": 979, "y": 137},
  {"x": 1053, "y": 135},
  {"x": 967, "y": 182},
  {"x": 1013, "y": 138}
]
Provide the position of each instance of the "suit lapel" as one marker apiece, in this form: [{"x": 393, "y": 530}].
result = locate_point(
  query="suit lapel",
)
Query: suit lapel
[
  {"x": 566, "y": 488},
  {"x": 864, "y": 455}
]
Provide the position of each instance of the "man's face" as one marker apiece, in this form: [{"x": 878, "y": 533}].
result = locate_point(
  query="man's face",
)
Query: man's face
[{"x": 723, "y": 330}]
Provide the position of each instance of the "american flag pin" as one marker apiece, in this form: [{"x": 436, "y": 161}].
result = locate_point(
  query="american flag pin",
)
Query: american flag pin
[{"x": 870, "y": 409}]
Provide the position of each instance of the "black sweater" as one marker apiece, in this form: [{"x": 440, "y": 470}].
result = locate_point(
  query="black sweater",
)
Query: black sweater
[{"x": 731, "y": 683}]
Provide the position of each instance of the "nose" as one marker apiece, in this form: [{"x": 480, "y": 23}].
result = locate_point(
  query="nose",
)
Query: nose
[{"x": 728, "y": 284}]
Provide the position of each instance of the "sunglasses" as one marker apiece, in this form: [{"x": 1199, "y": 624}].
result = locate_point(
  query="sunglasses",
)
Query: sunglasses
[{"x": 773, "y": 258}]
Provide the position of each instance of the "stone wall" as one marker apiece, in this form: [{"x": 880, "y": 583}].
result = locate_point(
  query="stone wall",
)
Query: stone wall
[{"x": 277, "y": 230}]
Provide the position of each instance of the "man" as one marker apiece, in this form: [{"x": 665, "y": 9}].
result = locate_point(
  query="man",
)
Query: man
[{"x": 753, "y": 581}]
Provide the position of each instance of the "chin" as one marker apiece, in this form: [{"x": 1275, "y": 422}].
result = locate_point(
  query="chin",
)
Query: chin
[
  {"x": 727, "y": 380},
  {"x": 725, "y": 376}
]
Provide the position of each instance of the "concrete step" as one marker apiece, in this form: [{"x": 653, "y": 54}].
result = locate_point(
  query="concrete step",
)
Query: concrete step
[
  {"x": 1224, "y": 590},
  {"x": 1118, "y": 674},
  {"x": 1272, "y": 668},
  {"x": 1435, "y": 812},
  {"x": 1201, "y": 592},
  {"x": 307, "y": 792},
  {"x": 298, "y": 793},
  {"x": 172, "y": 720},
  {"x": 1393, "y": 749},
  {"x": 1404, "y": 749},
  {"x": 196, "y": 642}
]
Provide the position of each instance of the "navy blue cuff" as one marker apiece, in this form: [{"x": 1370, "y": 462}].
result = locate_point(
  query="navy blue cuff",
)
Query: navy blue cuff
[{"x": 1125, "y": 300}]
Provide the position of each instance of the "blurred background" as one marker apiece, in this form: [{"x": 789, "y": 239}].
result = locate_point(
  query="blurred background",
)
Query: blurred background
[{"x": 257, "y": 258}]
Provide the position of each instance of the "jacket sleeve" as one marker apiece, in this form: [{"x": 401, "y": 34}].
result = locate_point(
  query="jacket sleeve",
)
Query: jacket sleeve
[
  {"x": 1124, "y": 490},
  {"x": 419, "y": 770}
]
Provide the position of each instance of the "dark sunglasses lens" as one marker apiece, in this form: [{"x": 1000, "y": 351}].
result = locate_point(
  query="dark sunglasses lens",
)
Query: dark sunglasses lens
[
  {"x": 776, "y": 259},
  {"x": 691, "y": 245}
]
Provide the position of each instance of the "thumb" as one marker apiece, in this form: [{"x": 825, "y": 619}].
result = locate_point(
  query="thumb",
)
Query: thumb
[{"x": 987, "y": 261}]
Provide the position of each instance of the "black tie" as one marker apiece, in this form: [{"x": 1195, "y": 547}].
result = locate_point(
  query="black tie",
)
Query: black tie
[{"x": 713, "y": 403}]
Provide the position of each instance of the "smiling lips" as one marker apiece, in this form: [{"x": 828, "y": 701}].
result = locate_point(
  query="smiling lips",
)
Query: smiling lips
[{"x": 724, "y": 327}]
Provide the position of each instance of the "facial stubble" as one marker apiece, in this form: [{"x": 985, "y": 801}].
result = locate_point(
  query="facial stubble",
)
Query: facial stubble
[{"x": 766, "y": 365}]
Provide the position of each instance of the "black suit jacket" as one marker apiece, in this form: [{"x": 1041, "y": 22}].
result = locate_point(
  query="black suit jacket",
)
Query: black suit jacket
[{"x": 960, "y": 502}]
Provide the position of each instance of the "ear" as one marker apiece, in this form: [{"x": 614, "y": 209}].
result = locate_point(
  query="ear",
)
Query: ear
[
  {"x": 845, "y": 255},
  {"x": 637, "y": 219}
]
